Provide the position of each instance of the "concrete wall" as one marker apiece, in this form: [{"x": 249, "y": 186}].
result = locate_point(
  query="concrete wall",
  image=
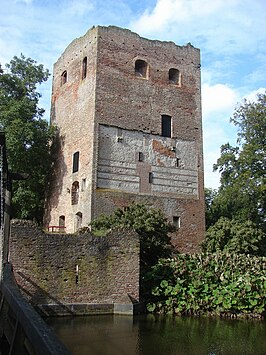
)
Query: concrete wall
[{"x": 45, "y": 266}]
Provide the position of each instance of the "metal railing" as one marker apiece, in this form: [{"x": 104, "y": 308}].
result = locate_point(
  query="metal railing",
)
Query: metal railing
[{"x": 56, "y": 229}]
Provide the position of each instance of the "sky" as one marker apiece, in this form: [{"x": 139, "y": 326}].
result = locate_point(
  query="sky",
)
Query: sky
[{"x": 231, "y": 35}]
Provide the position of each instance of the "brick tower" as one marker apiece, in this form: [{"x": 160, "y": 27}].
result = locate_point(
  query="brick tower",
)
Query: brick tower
[{"x": 128, "y": 112}]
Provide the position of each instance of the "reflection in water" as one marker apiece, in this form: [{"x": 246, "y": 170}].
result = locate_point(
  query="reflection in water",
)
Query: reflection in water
[{"x": 152, "y": 335}]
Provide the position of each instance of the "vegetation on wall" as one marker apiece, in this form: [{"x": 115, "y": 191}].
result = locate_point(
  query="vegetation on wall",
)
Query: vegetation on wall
[
  {"x": 152, "y": 227},
  {"x": 28, "y": 135}
]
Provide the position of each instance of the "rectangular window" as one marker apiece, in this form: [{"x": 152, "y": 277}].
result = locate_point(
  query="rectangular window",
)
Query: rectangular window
[
  {"x": 141, "y": 156},
  {"x": 84, "y": 68},
  {"x": 75, "y": 162},
  {"x": 83, "y": 184},
  {"x": 166, "y": 126},
  {"x": 176, "y": 222},
  {"x": 150, "y": 178},
  {"x": 119, "y": 135}
]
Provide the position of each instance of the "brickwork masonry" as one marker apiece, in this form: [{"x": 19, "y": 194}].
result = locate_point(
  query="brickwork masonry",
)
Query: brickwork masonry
[{"x": 70, "y": 273}]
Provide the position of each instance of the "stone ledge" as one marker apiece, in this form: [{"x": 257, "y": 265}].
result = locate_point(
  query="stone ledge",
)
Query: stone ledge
[{"x": 82, "y": 309}]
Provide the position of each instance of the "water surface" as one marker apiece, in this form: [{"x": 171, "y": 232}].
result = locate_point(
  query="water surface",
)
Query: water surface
[{"x": 152, "y": 335}]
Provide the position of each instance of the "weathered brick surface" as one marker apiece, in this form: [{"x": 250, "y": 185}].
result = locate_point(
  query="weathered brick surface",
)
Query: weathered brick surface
[
  {"x": 45, "y": 266},
  {"x": 112, "y": 95}
]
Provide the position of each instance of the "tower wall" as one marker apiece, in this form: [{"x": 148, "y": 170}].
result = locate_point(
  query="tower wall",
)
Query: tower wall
[
  {"x": 73, "y": 111},
  {"x": 117, "y": 118}
]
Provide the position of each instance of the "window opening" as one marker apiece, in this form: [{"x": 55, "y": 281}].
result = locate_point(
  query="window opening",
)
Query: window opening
[
  {"x": 119, "y": 135},
  {"x": 174, "y": 76},
  {"x": 166, "y": 126},
  {"x": 141, "y": 68},
  {"x": 75, "y": 193},
  {"x": 83, "y": 184},
  {"x": 177, "y": 162},
  {"x": 176, "y": 222},
  {"x": 141, "y": 156},
  {"x": 64, "y": 77},
  {"x": 75, "y": 162},
  {"x": 78, "y": 221},
  {"x": 77, "y": 274},
  {"x": 150, "y": 178},
  {"x": 62, "y": 220},
  {"x": 84, "y": 67}
]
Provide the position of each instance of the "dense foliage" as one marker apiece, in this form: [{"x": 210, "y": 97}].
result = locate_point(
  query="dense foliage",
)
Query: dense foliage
[
  {"x": 218, "y": 283},
  {"x": 242, "y": 168},
  {"x": 28, "y": 135},
  {"x": 241, "y": 199},
  {"x": 229, "y": 235},
  {"x": 151, "y": 225}
]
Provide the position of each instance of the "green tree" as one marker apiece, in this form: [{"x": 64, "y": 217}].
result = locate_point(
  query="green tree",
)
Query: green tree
[
  {"x": 151, "y": 225},
  {"x": 28, "y": 135},
  {"x": 234, "y": 236},
  {"x": 242, "y": 194},
  {"x": 211, "y": 213}
]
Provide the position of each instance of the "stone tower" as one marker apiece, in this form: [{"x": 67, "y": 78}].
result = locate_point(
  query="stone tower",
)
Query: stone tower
[{"x": 128, "y": 111}]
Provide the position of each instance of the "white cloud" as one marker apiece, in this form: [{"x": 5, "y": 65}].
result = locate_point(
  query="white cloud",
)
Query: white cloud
[
  {"x": 224, "y": 26},
  {"x": 218, "y": 104},
  {"x": 252, "y": 96},
  {"x": 167, "y": 12},
  {"x": 218, "y": 98}
]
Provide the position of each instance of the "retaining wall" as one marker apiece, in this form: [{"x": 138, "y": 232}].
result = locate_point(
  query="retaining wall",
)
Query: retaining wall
[{"x": 71, "y": 272}]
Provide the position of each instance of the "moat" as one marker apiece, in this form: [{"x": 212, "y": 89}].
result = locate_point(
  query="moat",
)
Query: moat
[{"x": 153, "y": 335}]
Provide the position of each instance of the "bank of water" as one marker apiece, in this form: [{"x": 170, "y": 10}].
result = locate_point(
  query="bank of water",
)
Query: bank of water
[{"x": 154, "y": 335}]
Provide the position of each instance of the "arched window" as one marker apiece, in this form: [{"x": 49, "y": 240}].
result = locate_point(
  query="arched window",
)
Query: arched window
[
  {"x": 75, "y": 193},
  {"x": 141, "y": 68},
  {"x": 62, "y": 220},
  {"x": 174, "y": 76},
  {"x": 84, "y": 67},
  {"x": 78, "y": 221},
  {"x": 64, "y": 77}
]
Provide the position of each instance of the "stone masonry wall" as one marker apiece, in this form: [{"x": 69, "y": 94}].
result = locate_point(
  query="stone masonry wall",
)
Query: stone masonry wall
[
  {"x": 123, "y": 163},
  {"x": 72, "y": 111},
  {"x": 45, "y": 266}
]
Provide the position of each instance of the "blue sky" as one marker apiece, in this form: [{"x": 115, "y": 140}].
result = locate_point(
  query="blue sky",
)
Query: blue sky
[{"x": 231, "y": 35}]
